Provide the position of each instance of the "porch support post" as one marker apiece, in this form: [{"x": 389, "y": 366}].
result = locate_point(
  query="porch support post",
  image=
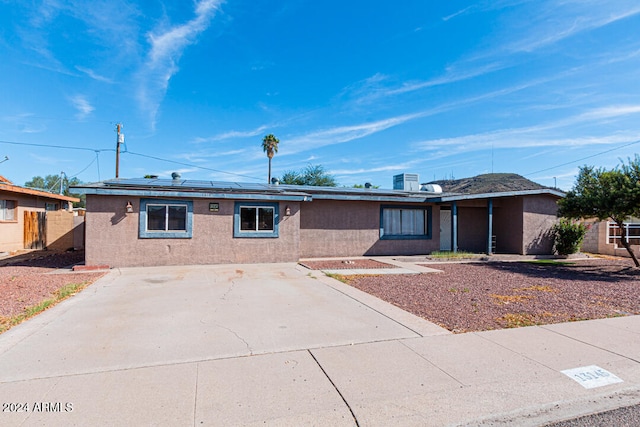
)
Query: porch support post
[
  {"x": 489, "y": 226},
  {"x": 454, "y": 226}
]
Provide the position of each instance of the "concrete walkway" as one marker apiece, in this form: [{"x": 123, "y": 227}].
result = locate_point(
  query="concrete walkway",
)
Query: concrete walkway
[{"x": 276, "y": 344}]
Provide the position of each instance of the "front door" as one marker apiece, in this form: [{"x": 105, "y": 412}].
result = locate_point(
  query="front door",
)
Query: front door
[{"x": 445, "y": 230}]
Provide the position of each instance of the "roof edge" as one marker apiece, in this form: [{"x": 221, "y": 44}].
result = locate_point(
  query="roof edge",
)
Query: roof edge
[{"x": 32, "y": 192}]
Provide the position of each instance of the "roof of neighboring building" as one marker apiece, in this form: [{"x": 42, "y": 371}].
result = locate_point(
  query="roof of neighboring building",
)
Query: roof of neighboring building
[
  {"x": 6, "y": 185},
  {"x": 153, "y": 187},
  {"x": 489, "y": 183}
]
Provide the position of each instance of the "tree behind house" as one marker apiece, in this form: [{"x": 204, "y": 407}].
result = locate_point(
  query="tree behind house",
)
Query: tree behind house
[
  {"x": 314, "y": 175},
  {"x": 51, "y": 183}
]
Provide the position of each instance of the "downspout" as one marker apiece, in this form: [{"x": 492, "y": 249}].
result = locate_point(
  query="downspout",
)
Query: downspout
[
  {"x": 489, "y": 226},
  {"x": 454, "y": 226}
]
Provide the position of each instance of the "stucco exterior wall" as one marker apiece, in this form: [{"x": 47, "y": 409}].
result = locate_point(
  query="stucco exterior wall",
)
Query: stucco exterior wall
[
  {"x": 472, "y": 228},
  {"x": 112, "y": 237},
  {"x": 11, "y": 232},
  {"x": 330, "y": 228},
  {"x": 507, "y": 225},
  {"x": 539, "y": 216}
]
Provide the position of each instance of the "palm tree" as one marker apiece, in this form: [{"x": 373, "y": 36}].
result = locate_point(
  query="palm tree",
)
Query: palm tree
[{"x": 270, "y": 146}]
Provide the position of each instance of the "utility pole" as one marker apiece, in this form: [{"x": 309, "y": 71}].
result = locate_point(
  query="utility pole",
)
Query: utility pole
[
  {"x": 61, "y": 181},
  {"x": 119, "y": 141}
]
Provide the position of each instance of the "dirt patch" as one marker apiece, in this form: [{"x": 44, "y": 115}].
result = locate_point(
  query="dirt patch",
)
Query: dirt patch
[
  {"x": 28, "y": 279},
  {"x": 484, "y": 296},
  {"x": 345, "y": 264}
]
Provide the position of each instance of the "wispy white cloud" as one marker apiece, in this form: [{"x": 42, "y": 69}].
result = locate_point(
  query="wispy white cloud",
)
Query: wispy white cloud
[
  {"x": 25, "y": 123},
  {"x": 93, "y": 74},
  {"x": 379, "y": 86},
  {"x": 460, "y": 12},
  {"x": 167, "y": 46},
  {"x": 83, "y": 106},
  {"x": 550, "y": 134},
  {"x": 201, "y": 157},
  {"x": 232, "y": 134},
  {"x": 558, "y": 20},
  {"x": 343, "y": 134},
  {"x": 403, "y": 166}
]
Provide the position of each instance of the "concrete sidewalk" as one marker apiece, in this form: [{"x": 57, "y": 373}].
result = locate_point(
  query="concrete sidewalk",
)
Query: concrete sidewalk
[{"x": 276, "y": 344}]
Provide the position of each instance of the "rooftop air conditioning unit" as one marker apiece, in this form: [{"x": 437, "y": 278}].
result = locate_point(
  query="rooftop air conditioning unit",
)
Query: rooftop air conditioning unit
[{"x": 406, "y": 182}]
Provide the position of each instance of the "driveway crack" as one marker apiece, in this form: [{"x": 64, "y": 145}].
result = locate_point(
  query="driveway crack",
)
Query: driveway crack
[
  {"x": 336, "y": 388},
  {"x": 237, "y": 336}
]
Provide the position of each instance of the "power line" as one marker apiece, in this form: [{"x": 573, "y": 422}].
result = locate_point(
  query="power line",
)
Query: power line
[
  {"x": 585, "y": 158},
  {"x": 189, "y": 165},
  {"x": 57, "y": 146},
  {"x": 99, "y": 150}
]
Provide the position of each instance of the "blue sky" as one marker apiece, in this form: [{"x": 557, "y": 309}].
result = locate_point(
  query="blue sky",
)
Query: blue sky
[{"x": 368, "y": 89}]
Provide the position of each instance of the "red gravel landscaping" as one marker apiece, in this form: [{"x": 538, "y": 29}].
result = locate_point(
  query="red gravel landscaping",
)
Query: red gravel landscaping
[
  {"x": 30, "y": 278},
  {"x": 484, "y": 296}
]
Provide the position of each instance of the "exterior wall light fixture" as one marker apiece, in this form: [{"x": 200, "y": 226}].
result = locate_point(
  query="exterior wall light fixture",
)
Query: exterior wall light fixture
[
  {"x": 129, "y": 207},
  {"x": 287, "y": 211}
]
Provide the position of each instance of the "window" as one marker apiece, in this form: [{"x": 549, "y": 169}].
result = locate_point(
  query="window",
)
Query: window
[
  {"x": 50, "y": 206},
  {"x": 169, "y": 219},
  {"x": 632, "y": 231},
  {"x": 255, "y": 219},
  {"x": 7, "y": 210},
  {"x": 402, "y": 222}
]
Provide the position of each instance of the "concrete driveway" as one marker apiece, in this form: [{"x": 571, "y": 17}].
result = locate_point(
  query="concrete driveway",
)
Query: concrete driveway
[
  {"x": 274, "y": 344},
  {"x": 169, "y": 344}
]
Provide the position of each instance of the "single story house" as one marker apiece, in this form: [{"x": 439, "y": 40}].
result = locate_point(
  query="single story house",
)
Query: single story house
[
  {"x": 34, "y": 219},
  {"x": 147, "y": 222}
]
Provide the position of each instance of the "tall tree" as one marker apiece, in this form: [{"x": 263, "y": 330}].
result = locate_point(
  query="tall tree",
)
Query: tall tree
[
  {"x": 604, "y": 194},
  {"x": 52, "y": 183},
  {"x": 270, "y": 146},
  {"x": 314, "y": 175}
]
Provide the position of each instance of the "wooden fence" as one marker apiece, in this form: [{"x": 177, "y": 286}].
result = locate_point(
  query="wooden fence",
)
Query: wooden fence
[{"x": 34, "y": 229}]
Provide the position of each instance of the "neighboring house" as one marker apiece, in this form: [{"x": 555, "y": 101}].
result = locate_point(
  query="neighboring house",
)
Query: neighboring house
[
  {"x": 143, "y": 222},
  {"x": 603, "y": 237},
  {"x": 34, "y": 219}
]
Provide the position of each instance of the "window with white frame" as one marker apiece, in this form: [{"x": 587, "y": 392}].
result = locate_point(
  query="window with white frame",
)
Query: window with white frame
[
  {"x": 165, "y": 218},
  {"x": 255, "y": 219},
  {"x": 405, "y": 222},
  {"x": 631, "y": 229},
  {"x": 7, "y": 210}
]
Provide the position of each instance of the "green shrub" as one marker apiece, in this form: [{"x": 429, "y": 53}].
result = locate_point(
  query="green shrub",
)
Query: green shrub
[{"x": 568, "y": 236}]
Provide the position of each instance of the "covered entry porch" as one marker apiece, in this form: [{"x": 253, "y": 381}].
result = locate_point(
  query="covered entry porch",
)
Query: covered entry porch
[{"x": 510, "y": 223}]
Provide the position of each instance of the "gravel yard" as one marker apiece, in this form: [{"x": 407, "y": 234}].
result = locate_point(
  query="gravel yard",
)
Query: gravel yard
[
  {"x": 484, "y": 296},
  {"x": 28, "y": 279}
]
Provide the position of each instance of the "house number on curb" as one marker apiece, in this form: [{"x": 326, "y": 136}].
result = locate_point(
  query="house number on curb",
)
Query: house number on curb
[{"x": 591, "y": 376}]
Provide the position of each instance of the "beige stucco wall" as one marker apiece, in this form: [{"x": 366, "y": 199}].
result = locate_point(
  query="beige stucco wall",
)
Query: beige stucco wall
[
  {"x": 539, "y": 216},
  {"x": 112, "y": 237},
  {"x": 330, "y": 228},
  {"x": 11, "y": 232}
]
